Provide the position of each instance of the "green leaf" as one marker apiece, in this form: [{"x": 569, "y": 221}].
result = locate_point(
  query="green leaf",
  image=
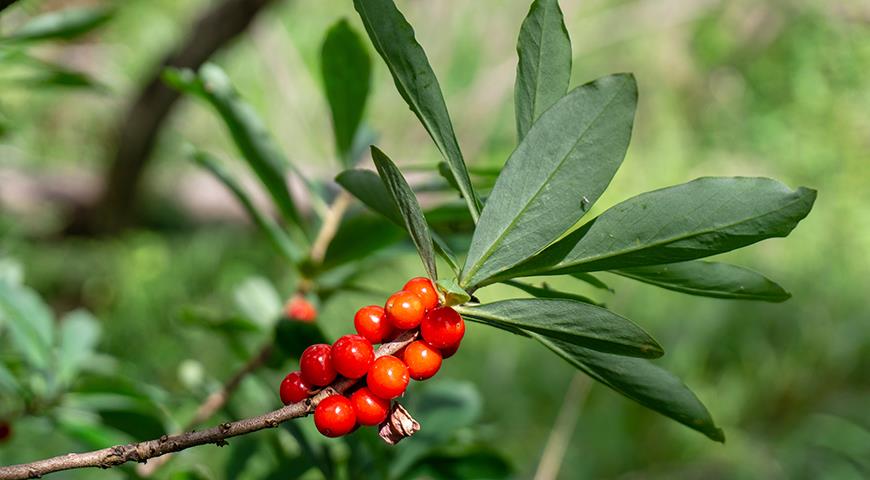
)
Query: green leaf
[
  {"x": 79, "y": 335},
  {"x": 456, "y": 463},
  {"x": 88, "y": 429},
  {"x": 346, "y": 69},
  {"x": 257, "y": 299},
  {"x": 544, "y": 68},
  {"x": 292, "y": 337},
  {"x": 452, "y": 293},
  {"x": 247, "y": 130},
  {"x": 709, "y": 279},
  {"x": 354, "y": 240},
  {"x": 568, "y": 320},
  {"x": 406, "y": 201},
  {"x": 591, "y": 280},
  {"x": 556, "y": 173},
  {"x": 393, "y": 38},
  {"x": 704, "y": 217},
  {"x": 641, "y": 381},
  {"x": 368, "y": 188},
  {"x": 282, "y": 243},
  {"x": 29, "y": 322},
  {"x": 63, "y": 24},
  {"x": 8, "y": 383},
  {"x": 546, "y": 292}
]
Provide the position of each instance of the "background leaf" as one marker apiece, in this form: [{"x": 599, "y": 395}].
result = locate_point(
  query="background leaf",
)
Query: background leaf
[
  {"x": 406, "y": 202},
  {"x": 641, "y": 381},
  {"x": 258, "y": 300},
  {"x": 29, "y": 322},
  {"x": 63, "y": 24},
  {"x": 697, "y": 219},
  {"x": 544, "y": 68},
  {"x": 559, "y": 169},
  {"x": 570, "y": 321},
  {"x": 709, "y": 279},
  {"x": 394, "y": 40},
  {"x": 79, "y": 335},
  {"x": 346, "y": 69}
]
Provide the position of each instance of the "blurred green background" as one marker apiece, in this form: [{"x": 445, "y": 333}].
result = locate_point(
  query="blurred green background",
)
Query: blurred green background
[{"x": 774, "y": 88}]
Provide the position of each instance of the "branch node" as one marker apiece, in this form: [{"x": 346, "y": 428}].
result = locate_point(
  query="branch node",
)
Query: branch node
[{"x": 222, "y": 443}]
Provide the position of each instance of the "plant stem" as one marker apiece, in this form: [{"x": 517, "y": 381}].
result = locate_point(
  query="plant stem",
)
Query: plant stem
[
  {"x": 563, "y": 429},
  {"x": 142, "y": 451}
]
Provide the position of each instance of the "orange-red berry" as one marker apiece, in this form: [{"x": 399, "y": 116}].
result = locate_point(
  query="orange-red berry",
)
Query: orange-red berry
[
  {"x": 352, "y": 355},
  {"x": 422, "y": 360},
  {"x": 424, "y": 289},
  {"x": 388, "y": 377},
  {"x": 448, "y": 352},
  {"x": 442, "y": 327},
  {"x": 316, "y": 365},
  {"x": 335, "y": 416},
  {"x": 298, "y": 308},
  {"x": 405, "y": 310},
  {"x": 294, "y": 389},
  {"x": 371, "y": 322},
  {"x": 370, "y": 408}
]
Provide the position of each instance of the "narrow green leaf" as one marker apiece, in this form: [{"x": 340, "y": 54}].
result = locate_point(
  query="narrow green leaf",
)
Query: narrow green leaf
[
  {"x": 282, "y": 243},
  {"x": 591, "y": 280},
  {"x": 346, "y": 69},
  {"x": 568, "y": 320},
  {"x": 63, "y": 24},
  {"x": 79, "y": 334},
  {"x": 556, "y": 173},
  {"x": 709, "y": 279},
  {"x": 642, "y": 381},
  {"x": 368, "y": 188},
  {"x": 247, "y": 130},
  {"x": 697, "y": 219},
  {"x": 545, "y": 292},
  {"x": 406, "y": 201},
  {"x": 452, "y": 293},
  {"x": 393, "y": 38},
  {"x": 354, "y": 240},
  {"x": 29, "y": 322},
  {"x": 544, "y": 68}
]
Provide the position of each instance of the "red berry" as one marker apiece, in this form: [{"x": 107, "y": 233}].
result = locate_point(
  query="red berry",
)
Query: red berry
[
  {"x": 442, "y": 327},
  {"x": 448, "y": 352},
  {"x": 404, "y": 310},
  {"x": 370, "y": 408},
  {"x": 388, "y": 377},
  {"x": 316, "y": 365},
  {"x": 371, "y": 322},
  {"x": 422, "y": 360},
  {"x": 335, "y": 416},
  {"x": 424, "y": 289},
  {"x": 5, "y": 430},
  {"x": 298, "y": 308},
  {"x": 294, "y": 389},
  {"x": 352, "y": 355}
]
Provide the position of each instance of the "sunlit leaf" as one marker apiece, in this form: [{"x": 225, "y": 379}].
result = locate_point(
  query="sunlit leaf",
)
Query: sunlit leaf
[
  {"x": 709, "y": 279},
  {"x": 571, "y": 321},
  {"x": 557, "y": 172},
  {"x": 544, "y": 67},
  {"x": 697, "y": 219},
  {"x": 394, "y": 40}
]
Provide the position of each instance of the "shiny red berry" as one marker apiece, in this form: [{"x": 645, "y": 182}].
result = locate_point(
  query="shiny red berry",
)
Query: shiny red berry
[
  {"x": 442, "y": 327},
  {"x": 294, "y": 389},
  {"x": 448, "y": 352},
  {"x": 424, "y": 289},
  {"x": 422, "y": 360},
  {"x": 371, "y": 322},
  {"x": 5, "y": 430},
  {"x": 388, "y": 377},
  {"x": 298, "y": 308},
  {"x": 316, "y": 365},
  {"x": 370, "y": 408},
  {"x": 405, "y": 310},
  {"x": 335, "y": 416},
  {"x": 352, "y": 355}
]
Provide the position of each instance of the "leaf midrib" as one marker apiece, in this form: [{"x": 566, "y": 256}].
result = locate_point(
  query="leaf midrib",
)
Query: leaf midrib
[
  {"x": 488, "y": 253},
  {"x": 663, "y": 242}
]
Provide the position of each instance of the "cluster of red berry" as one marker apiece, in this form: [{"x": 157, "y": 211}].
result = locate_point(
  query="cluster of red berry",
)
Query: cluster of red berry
[{"x": 353, "y": 357}]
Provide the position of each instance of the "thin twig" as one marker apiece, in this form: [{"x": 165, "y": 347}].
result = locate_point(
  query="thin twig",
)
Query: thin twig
[
  {"x": 212, "y": 404},
  {"x": 330, "y": 225},
  {"x": 142, "y": 451},
  {"x": 563, "y": 429}
]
